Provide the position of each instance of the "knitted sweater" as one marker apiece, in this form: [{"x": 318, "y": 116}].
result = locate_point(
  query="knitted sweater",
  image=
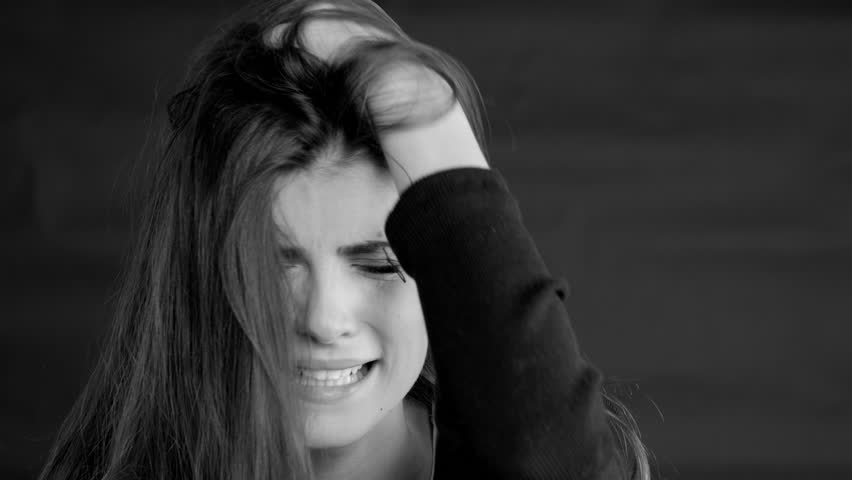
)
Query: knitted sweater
[{"x": 514, "y": 397}]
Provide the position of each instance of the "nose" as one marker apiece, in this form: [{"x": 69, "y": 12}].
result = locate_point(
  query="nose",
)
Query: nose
[{"x": 330, "y": 314}]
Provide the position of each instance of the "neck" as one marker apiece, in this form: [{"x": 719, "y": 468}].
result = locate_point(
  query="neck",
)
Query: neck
[{"x": 399, "y": 446}]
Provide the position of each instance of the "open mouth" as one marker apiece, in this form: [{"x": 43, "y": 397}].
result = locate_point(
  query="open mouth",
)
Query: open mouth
[{"x": 335, "y": 378}]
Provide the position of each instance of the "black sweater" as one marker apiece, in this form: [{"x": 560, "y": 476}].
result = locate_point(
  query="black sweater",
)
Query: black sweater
[{"x": 514, "y": 397}]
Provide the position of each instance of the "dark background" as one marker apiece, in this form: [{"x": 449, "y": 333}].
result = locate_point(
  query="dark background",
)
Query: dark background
[{"x": 685, "y": 165}]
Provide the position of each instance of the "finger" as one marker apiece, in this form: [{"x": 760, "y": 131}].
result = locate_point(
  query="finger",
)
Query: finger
[
  {"x": 273, "y": 37},
  {"x": 323, "y": 37}
]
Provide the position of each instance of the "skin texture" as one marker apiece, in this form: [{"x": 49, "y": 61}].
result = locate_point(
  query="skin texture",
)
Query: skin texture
[{"x": 352, "y": 313}]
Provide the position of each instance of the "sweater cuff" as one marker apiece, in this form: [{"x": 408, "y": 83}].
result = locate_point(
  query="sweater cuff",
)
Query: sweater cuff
[{"x": 431, "y": 209}]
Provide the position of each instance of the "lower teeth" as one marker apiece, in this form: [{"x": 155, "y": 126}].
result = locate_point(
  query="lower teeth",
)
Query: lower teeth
[{"x": 337, "y": 382}]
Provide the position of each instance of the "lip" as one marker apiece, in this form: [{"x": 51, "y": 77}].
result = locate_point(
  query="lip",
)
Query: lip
[
  {"x": 331, "y": 395},
  {"x": 331, "y": 364}
]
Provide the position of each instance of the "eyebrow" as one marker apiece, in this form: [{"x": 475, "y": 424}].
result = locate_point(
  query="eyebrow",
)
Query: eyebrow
[{"x": 362, "y": 248}]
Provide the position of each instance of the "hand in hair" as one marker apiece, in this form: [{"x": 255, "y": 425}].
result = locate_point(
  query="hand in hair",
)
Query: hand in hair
[
  {"x": 327, "y": 37},
  {"x": 401, "y": 93}
]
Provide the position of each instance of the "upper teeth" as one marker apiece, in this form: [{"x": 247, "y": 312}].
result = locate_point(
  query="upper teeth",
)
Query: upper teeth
[{"x": 330, "y": 374}]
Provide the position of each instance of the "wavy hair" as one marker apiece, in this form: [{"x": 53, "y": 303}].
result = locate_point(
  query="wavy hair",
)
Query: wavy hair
[{"x": 192, "y": 380}]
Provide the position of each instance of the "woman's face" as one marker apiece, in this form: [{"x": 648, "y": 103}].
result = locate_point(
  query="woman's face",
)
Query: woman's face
[{"x": 353, "y": 312}]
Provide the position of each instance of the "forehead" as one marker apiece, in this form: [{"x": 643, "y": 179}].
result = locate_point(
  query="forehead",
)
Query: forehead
[{"x": 324, "y": 208}]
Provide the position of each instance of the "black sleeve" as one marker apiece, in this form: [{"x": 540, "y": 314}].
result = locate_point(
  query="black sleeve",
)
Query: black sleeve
[{"x": 515, "y": 399}]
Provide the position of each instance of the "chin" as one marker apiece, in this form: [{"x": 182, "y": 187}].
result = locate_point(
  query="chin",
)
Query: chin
[{"x": 334, "y": 431}]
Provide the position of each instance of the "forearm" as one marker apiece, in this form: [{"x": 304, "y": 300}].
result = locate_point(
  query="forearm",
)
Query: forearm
[
  {"x": 514, "y": 392},
  {"x": 443, "y": 143}
]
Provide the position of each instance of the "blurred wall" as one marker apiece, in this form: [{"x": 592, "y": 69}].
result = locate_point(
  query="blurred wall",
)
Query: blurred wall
[{"x": 686, "y": 166}]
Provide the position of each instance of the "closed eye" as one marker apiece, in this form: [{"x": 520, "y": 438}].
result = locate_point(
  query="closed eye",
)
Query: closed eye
[
  {"x": 384, "y": 269},
  {"x": 391, "y": 268}
]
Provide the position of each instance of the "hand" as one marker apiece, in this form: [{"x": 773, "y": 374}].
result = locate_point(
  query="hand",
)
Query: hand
[
  {"x": 326, "y": 37},
  {"x": 403, "y": 91}
]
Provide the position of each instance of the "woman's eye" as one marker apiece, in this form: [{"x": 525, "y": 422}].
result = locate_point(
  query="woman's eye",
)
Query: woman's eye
[
  {"x": 387, "y": 269},
  {"x": 383, "y": 269}
]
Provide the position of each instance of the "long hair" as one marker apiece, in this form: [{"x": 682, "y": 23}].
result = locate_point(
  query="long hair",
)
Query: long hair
[{"x": 193, "y": 378}]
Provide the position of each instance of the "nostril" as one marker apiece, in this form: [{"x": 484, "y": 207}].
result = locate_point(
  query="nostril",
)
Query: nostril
[
  {"x": 321, "y": 340},
  {"x": 329, "y": 336}
]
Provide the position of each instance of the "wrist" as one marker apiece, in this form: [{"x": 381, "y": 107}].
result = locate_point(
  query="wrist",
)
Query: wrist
[{"x": 444, "y": 143}]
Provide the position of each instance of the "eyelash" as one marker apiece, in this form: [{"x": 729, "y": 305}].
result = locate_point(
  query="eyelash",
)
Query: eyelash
[{"x": 390, "y": 269}]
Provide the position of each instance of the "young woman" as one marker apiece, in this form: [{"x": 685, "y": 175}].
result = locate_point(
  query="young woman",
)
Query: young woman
[{"x": 332, "y": 283}]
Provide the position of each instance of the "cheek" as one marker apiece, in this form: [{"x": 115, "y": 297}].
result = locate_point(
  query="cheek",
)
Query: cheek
[{"x": 401, "y": 324}]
